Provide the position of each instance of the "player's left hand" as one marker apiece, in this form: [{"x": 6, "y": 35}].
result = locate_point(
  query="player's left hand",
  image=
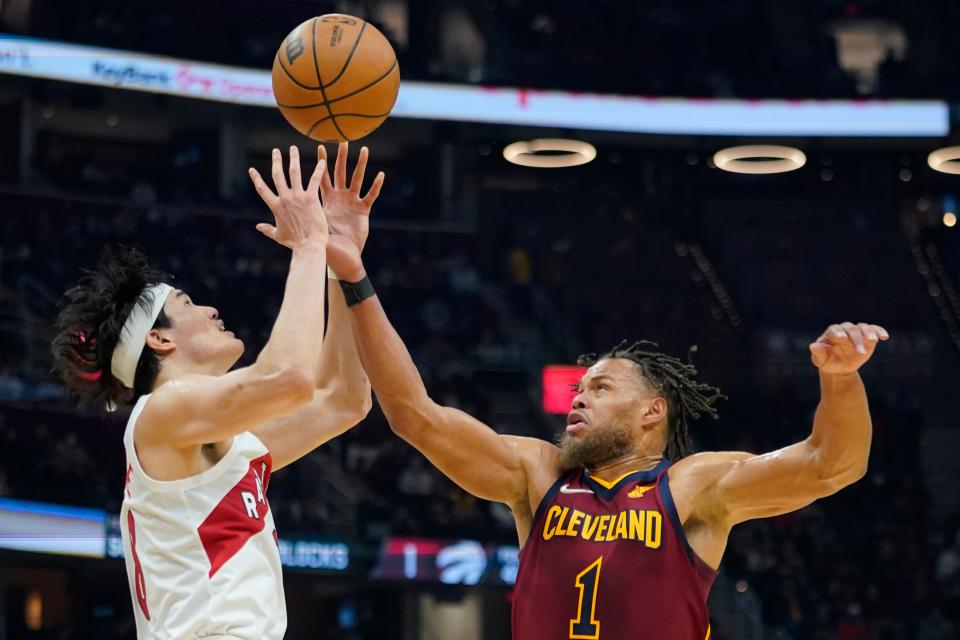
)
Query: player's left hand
[
  {"x": 348, "y": 214},
  {"x": 845, "y": 347}
]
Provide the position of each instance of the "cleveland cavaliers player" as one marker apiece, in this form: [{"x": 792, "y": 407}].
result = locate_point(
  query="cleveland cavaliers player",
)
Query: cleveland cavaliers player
[
  {"x": 623, "y": 530},
  {"x": 202, "y": 440}
]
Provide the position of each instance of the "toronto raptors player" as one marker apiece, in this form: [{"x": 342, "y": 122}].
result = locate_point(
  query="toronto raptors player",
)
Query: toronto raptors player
[
  {"x": 622, "y": 529},
  {"x": 202, "y": 440}
]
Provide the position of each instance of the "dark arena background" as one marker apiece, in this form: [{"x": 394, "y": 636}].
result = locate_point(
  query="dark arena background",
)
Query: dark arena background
[{"x": 134, "y": 123}]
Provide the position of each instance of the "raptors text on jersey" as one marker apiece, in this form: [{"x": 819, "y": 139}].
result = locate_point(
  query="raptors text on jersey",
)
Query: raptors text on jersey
[{"x": 201, "y": 552}]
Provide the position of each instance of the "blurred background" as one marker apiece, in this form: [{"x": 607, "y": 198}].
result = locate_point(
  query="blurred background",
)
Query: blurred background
[{"x": 492, "y": 272}]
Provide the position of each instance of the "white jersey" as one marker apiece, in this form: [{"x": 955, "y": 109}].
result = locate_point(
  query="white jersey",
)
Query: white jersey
[{"x": 201, "y": 552}]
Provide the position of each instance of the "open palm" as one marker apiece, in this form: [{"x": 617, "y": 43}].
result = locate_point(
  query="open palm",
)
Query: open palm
[{"x": 348, "y": 214}]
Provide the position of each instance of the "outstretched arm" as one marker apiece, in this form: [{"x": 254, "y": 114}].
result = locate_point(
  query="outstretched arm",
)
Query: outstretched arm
[
  {"x": 735, "y": 487},
  {"x": 509, "y": 469},
  {"x": 513, "y": 470},
  {"x": 199, "y": 409},
  {"x": 341, "y": 400},
  {"x": 470, "y": 453}
]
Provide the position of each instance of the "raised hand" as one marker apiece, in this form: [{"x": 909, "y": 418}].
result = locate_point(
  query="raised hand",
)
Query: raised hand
[
  {"x": 298, "y": 214},
  {"x": 347, "y": 212},
  {"x": 844, "y": 348}
]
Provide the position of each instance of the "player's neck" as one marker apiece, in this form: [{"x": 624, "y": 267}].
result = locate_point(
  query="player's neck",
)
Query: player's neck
[
  {"x": 619, "y": 467},
  {"x": 175, "y": 368}
]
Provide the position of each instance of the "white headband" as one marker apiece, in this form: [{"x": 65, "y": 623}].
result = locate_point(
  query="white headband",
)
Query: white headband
[{"x": 133, "y": 336}]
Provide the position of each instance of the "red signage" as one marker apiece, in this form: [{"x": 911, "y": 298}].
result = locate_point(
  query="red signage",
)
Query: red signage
[{"x": 559, "y": 387}]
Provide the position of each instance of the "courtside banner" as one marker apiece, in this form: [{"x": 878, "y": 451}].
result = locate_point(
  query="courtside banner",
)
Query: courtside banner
[
  {"x": 107, "y": 67},
  {"x": 598, "y": 112},
  {"x": 461, "y": 562},
  {"x": 51, "y": 528},
  {"x": 334, "y": 556}
]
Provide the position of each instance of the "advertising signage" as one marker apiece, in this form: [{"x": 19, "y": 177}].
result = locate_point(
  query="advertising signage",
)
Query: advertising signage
[
  {"x": 296, "y": 553},
  {"x": 453, "y": 562},
  {"x": 37, "y": 58},
  {"x": 54, "y": 529}
]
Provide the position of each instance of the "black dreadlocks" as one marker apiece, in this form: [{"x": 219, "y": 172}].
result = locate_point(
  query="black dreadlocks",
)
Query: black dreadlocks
[{"x": 676, "y": 380}]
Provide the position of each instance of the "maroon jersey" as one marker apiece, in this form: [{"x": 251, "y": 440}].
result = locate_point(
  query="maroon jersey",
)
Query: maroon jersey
[{"x": 610, "y": 562}]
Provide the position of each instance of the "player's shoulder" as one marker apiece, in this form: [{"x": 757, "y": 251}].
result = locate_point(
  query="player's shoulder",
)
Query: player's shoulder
[
  {"x": 540, "y": 461},
  {"x": 696, "y": 476},
  {"x": 172, "y": 391},
  {"x": 535, "y": 453},
  {"x": 166, "y": 404},
  {"x": 705, "y": 466}
]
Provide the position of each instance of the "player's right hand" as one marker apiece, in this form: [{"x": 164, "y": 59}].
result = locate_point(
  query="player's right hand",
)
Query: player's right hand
[
  {"x": 348, "y": 213},
  {"x": 298, "y": 215}
]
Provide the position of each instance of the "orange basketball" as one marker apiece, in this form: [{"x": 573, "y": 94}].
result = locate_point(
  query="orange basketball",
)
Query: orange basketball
[{"x": 335, "y": 78}]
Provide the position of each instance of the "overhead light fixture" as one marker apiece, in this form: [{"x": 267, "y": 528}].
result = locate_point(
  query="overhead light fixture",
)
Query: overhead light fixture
[
  {"x": 759, "y": 158},
  {"x": 945, "y": 160},
  {"x": 550, "y": 153}
]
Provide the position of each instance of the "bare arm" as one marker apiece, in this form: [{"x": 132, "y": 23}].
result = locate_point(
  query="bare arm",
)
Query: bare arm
[
  {"x": 735, "y": 487},
  {"x": 341, "y": 400},
  {"x": 467, "y": 451},
  {"x": 832, "y": 457},
  {"x": 297, "y": 336},
  {"x": 507, "y": 469},
  {"x": 197, "y": 409},
  {"x": 200, "y": 409}
]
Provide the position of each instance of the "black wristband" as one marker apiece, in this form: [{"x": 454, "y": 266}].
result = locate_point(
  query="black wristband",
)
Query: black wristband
[{"x": 357, "y": 292}]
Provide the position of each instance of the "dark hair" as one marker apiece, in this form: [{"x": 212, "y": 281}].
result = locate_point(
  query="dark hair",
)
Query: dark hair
[
  {"x": 676, "y": 380},
  {"x": 91, "y": 317}
]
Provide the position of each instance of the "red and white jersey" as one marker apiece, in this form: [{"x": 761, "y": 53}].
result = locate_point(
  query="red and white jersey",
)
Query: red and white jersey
[{"x": 201, "y": 552}]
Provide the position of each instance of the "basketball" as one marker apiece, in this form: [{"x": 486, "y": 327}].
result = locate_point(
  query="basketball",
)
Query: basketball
[{"x": 335, "y": 78}]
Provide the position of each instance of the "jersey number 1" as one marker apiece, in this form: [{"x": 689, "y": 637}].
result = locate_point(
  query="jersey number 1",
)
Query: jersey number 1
[{"x": 586, "y": 626}]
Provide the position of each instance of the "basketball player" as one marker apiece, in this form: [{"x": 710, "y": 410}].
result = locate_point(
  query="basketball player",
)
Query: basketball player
[
  {"x": 202, "y": 440},
  {"x": 622, "y": 530}
]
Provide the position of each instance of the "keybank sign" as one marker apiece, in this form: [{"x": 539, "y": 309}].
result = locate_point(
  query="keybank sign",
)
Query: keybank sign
[
  {"x": 131, "y": 75},
  {"x": 499, "y": 105}
]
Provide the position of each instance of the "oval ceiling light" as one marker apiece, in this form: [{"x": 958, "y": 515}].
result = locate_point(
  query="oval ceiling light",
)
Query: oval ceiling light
[
  {"x": 759, "y": 158},
  {"x": 550, "y": 153},
  {"x": 945, "y": 160}
]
